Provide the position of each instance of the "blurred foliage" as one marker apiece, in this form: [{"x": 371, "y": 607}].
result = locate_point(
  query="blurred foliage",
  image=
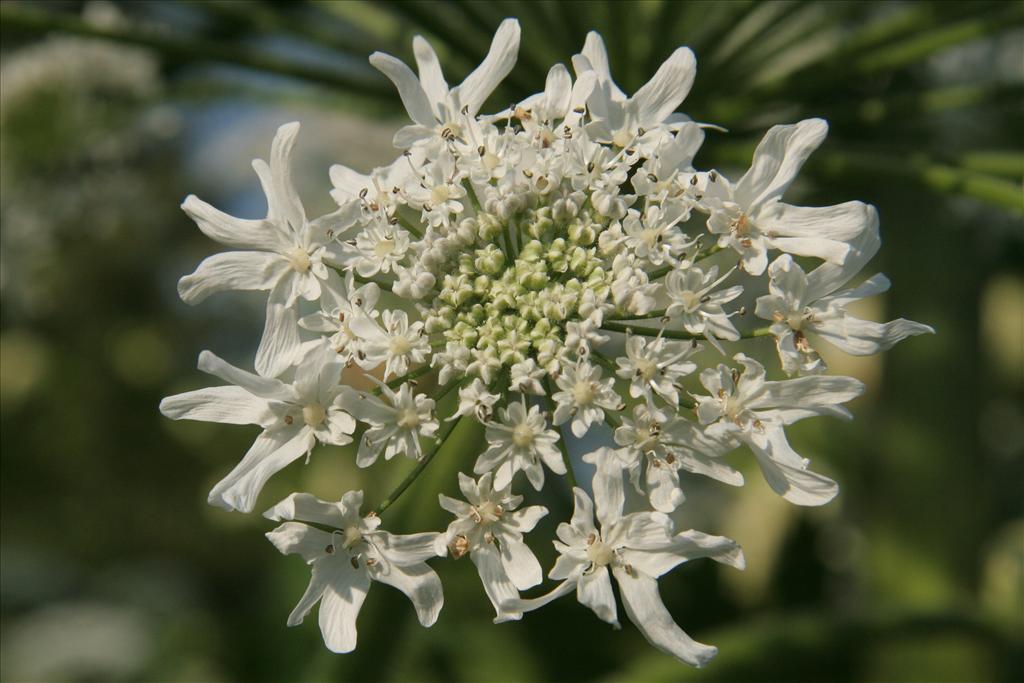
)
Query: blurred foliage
[{"x": 113, "y": 567}]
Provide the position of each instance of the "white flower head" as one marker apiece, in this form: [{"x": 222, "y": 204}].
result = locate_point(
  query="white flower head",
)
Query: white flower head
[
  {"x": 347, "y": 559},
  {"x": 294, "y": 418},
  {"x": 284, "y": 253},
  {"x": 583, "y": 397},
  {"x": 636, "y": 549},
  {"x": 520, "y": 441},
  {"x": 744, "y": 407},
  {"x": 801, "y": 303},
  {"x": 750, "y": 217},
  {"x": 489, "y": 528},
  {"x": 396, "y": 424},
  {"x": 537, "y": 271}
]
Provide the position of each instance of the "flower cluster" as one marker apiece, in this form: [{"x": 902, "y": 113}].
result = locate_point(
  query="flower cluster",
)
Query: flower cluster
[{"x": 561, "y": 265}]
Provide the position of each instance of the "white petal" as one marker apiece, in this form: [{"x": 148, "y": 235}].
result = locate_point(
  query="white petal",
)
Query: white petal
[
  {"x": 406, "y": 549},
  {"x": 645, "y": 609},
  {"x": 228, "y": 405},
  {"x": 264, "y": 387},
  {"x": 283, "y": 201},
  {"x": 667, "y": 89},
  {"x": 431, "y": 78},
  {"x": 232, "y": 271},
  {"x": 500, "y": 59},
  {"x": 419, "y": 582},
  {"x": 595, "y": 591},
  {"x": 344, "y": 592},
  {"x": 558, "y": 90},
  {"x": 597, "y": 56},
  {"x": 409, "y": 88},
  {"x": 794, "y": 399},
  {"x": 520, "y": 563},
  {"x": 260, "y": 235},
  {"x": 609, "y": 490},
  {"x": 520, "y": 605},
  {"x": 280, "y": 342},
  {"x": 840, "y": 222},
  {"x": 583, "y": 511},
  {"x": 829, "y": 277},
  {"x": 308, "y": 508},
  {"x": 524, "y": 520},
  {"x": 293, "y": 538},
  {"x": 863, "y": 337},
  {"x": 407, "y": 136},
  {"x": 495, "y": 580},
  {"x": 777, "y": 160},
  {"x": 685, "y": 546},
  {"x": 798, "y": 486},
  {"x": 270, "y": 453}
]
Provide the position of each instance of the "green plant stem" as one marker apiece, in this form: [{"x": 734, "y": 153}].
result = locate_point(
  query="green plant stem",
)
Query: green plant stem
[
  {"x": 409, "y": 226},
  {"x": 409, "y": 376}
]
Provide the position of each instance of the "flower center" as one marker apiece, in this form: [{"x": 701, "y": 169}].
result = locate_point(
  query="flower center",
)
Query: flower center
[
  {"x": 408, "y": 418},
  {"x": 400, "y": 345},
  {"x": 583, "y": 393},
  {"x": 439, "y": 194},
  {"x": 622, "y": 138},
  {"x": 384, "y": 248},
  {"x": 690, "y": 301},
  {"x": 514, "y": 303},
  {"x": 647, "y": 368},
  {"x": 313, "y": 414},
  {"x": 522, "y": 435},
  {"x": 352, "y": 536},
  {"x": 299, "y": 260},
  {"x": 600, "y": 553},
  {"x": 489, "y": 512}
]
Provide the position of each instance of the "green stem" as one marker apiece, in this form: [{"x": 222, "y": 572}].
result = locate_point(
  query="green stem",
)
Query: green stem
[
  {"x": 653, "y": 315},
  {"x": 409, "y": 226},
  {"x": 398, "y": 381}
]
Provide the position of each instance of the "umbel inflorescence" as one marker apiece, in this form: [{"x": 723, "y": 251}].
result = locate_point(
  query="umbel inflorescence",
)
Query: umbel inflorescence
[{"x": 561, "y": 265}]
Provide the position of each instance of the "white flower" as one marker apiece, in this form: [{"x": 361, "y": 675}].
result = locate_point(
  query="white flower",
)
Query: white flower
[
  {"x": 743, "y": 407},
  {"x": 376, "y": 249},
  {"x": 490, "y": 529},
  {"x": 656, "y": 365},
  {"x": 799, "y": 304},
  {"x": 638, "y": 548},
  {"x": 750, "y": 218},
  {"x": 584, "y": 397},
  {"x": 521, "y": 441},
  {"x": 393, "y": 341},
  {"x": 476, "y": 400},
  {"x": 665, "y": 445},
  {"x": 294, "y": 418},
  {"x": 338, "y": 310},
  {"x": 694, "y": 300},
  {"x": 344, "y": 562},
  {"x": 283, "y": 253},
  {"x": 440, "y": 113},
  {"x": 396, "y": 425},
  {"x": 526, "y": 377},
  {"x": 653, "y": 235},
  {"x": 438, "y": 192},
  {"x": 626, "y": 121},
  {"x": 379, "y": 194}
]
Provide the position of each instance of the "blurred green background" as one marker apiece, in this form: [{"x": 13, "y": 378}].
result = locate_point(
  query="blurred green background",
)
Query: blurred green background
[{"x": 113, "y": 567}]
